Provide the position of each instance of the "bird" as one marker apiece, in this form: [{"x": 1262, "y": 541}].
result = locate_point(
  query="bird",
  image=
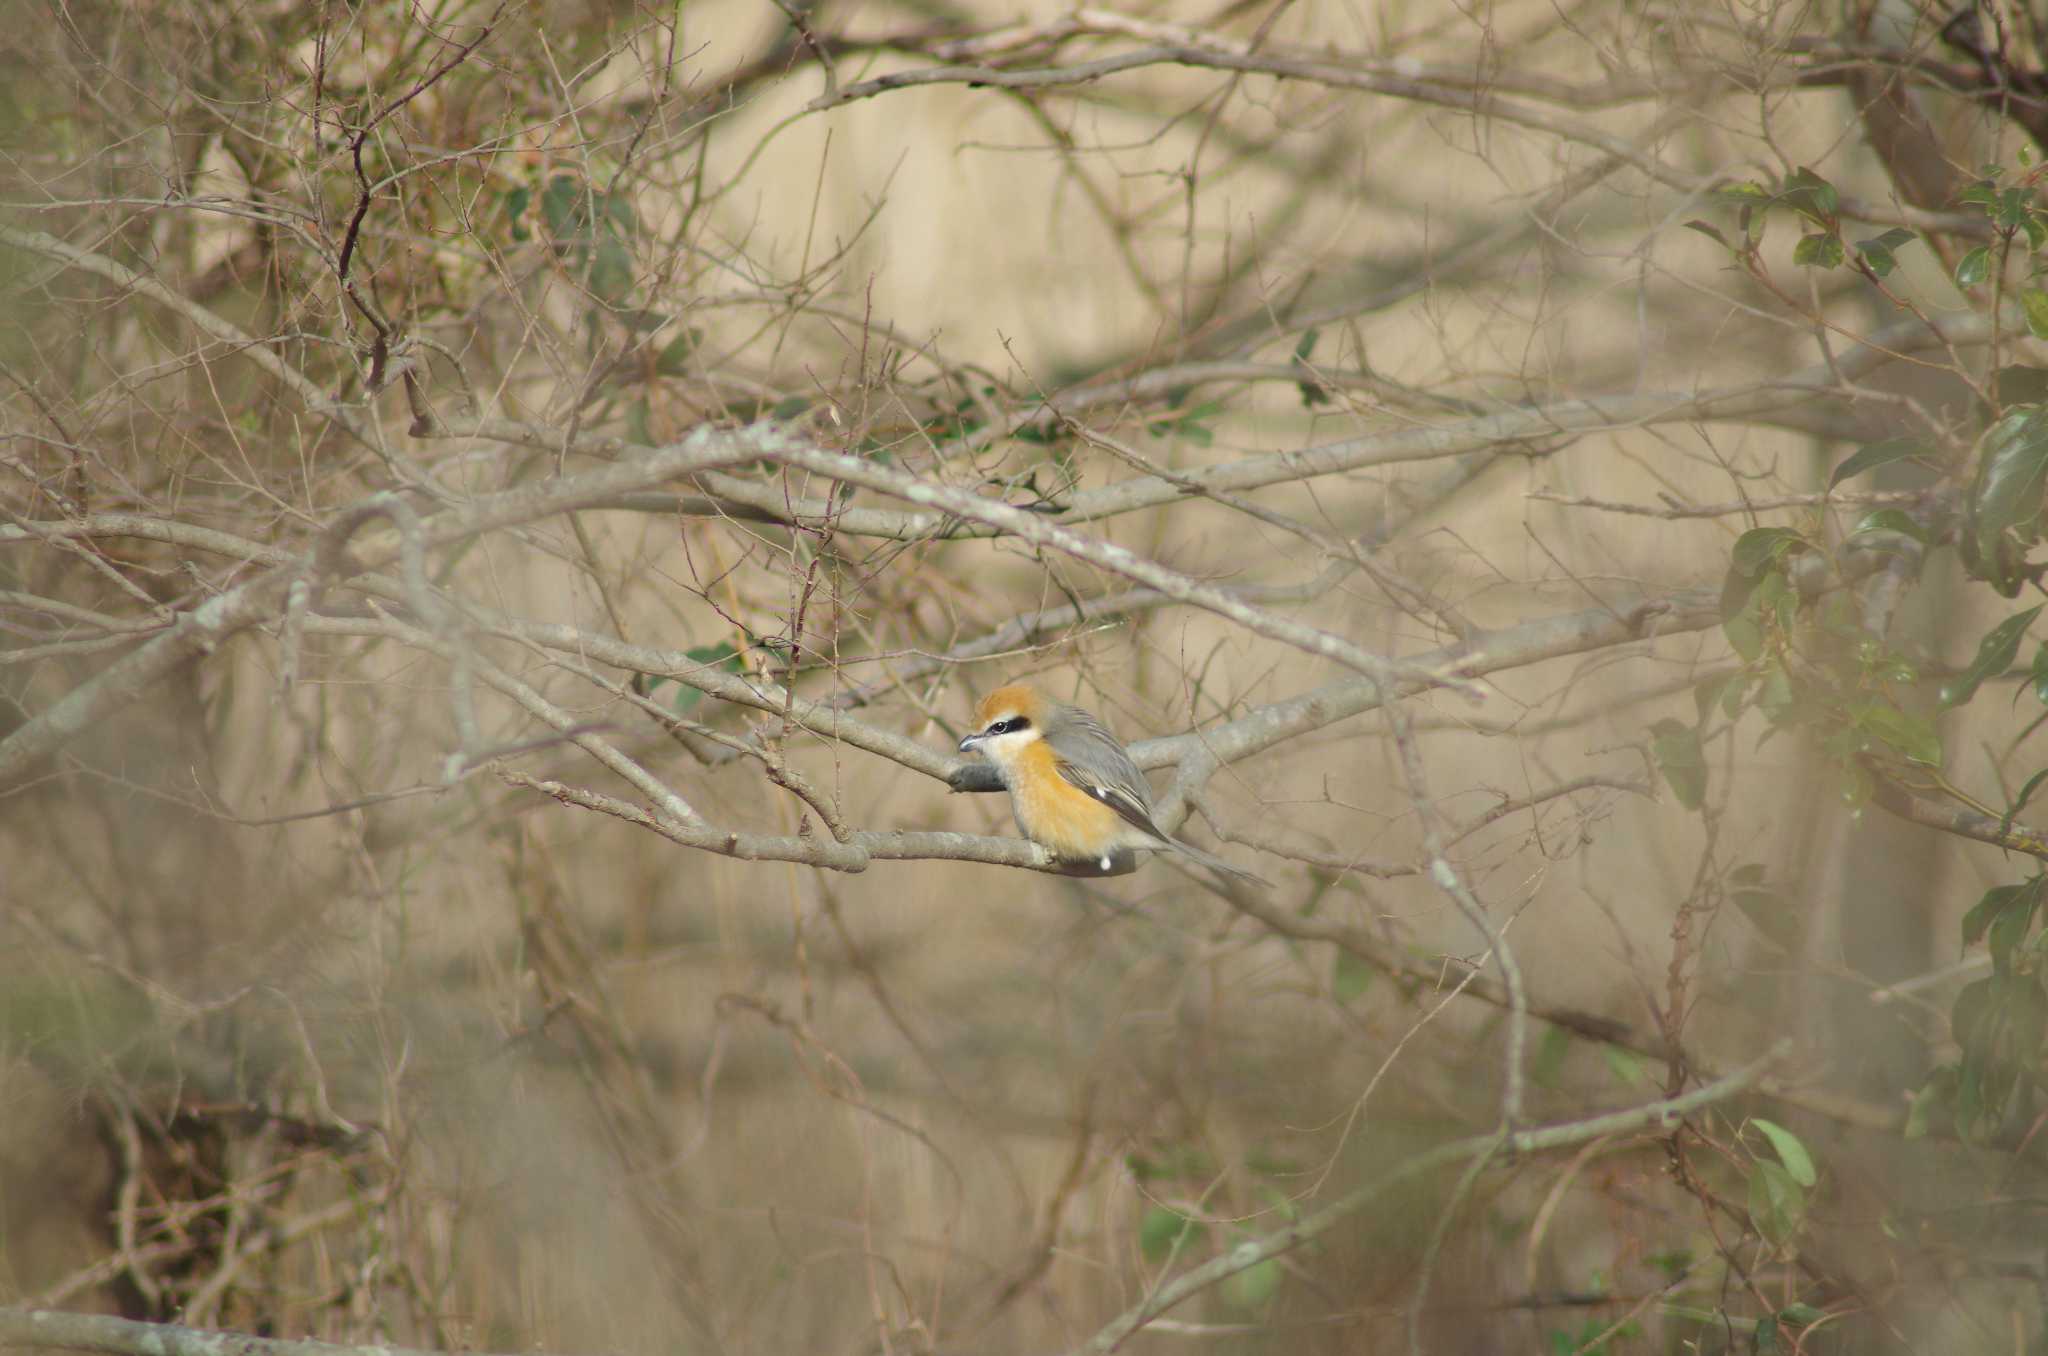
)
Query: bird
[{"x": 1073, "y": 786}]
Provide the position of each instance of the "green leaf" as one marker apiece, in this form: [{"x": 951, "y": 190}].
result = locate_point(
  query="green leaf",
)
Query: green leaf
[
  {"x": 1881, "y": 252},
  {"x": 721, "y": 656},
  {"x": 1307, "y": 345},
  {"x": 1350, "y": 977},
  {"x": 1810, "y": 195},
  {"x": 2009, "y": 929},
  {"x": 1762, "y": 547},
  {"x": 1912, "y": 736},
  {"x": 2002, "y": 917},
  {"x": 2020, "y": 384},
  {"x": 1982, "y": 194},
  {"x": 611, "y": 271},
  {"x": 1710, "y": 231},
  {"x": 1937, "y": 1094},
  {"x": 1983, "y": 911},
  {"x": 1775, "y": 594},
  {"x": 2000, "y": 1023},
  {"x": 1973, "y": 1121},
  {"x": 1777, "y": 1203},
  {"x": 1252, "y": 1287},
  {"x": 1625, "y": 1065},
  {"x": 2026, "y": 794},
  {"x": 1822, "y": 249},
  {"x": 1879, "y": 454},
  {"x": 1974, "y": 267},
  {"x": 1798, "y": 1163},
  {"x": 1890, "y": 530},
  {"x": 1723, "y": 690},
  {"x": 1731, "y": 698},
  {"x": 1162, "y": 1231},
  {"x": 1800, "y": 1315},
  {"x": 1978, "y": 1020},
  {"x": 1676, "y": 748},
  {"x": 1995, "y": 653},
  {"x": 2002, "y": 515},
  {"x": 1190, "y": 426},
  {"x": 561, "y": 207},
  {"x": 1547, "y": 1067},
  {"x": 1775, "y": 695},
  {"x": 617, "y": 210},
  {"x": 2014, "y": 207},
  {"x": 2036, "y": 723},
  {"x": 1745, "y": 634},
  {"x": 2035, "y": 302},
  {"x": 514, "y": 203},
  {"x": 1890, "y": 520},
  {"x": 1736, "y": 589}
]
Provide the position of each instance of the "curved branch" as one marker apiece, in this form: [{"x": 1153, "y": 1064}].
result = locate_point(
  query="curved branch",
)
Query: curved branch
[
  {"x": 1508, "y": 429},
  {"x": 1636, "y": 618},
  {"x": 1896, "y": 800}
]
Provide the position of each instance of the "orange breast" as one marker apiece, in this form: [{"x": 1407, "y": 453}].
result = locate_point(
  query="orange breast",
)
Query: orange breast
[{"x": 1052, "y": 812}]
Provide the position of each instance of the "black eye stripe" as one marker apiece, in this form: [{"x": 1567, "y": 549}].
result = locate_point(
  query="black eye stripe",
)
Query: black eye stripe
[{"x": 1009, "y": 725}]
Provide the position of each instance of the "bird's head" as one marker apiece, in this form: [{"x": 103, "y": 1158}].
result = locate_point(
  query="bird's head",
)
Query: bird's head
[{"x": 1009, "y": 719}]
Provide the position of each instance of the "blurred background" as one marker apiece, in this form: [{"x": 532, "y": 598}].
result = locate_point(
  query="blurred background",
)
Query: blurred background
[{"x": 361, "y": 979}]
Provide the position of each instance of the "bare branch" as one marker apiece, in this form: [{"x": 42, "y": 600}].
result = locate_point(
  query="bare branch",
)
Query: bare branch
[{"x": 214, "y": 621}]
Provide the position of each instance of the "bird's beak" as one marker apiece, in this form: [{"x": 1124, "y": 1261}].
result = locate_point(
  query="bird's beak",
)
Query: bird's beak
[{"x": 971, "y": 743}]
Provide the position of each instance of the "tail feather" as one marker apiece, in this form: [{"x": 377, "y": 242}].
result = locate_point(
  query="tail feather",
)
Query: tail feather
[{"x": 1215, "y": 863}]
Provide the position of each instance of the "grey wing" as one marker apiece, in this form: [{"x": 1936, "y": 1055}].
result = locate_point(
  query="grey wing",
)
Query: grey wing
[{"x": 1090, "y": 758}]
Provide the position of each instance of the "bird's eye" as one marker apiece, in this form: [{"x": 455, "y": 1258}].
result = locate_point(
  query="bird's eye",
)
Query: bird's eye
[{"x": 1009, "y": 725}]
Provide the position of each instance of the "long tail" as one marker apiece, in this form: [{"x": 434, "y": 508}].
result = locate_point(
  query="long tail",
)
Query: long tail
[{"x": 1215, "y": 863}]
